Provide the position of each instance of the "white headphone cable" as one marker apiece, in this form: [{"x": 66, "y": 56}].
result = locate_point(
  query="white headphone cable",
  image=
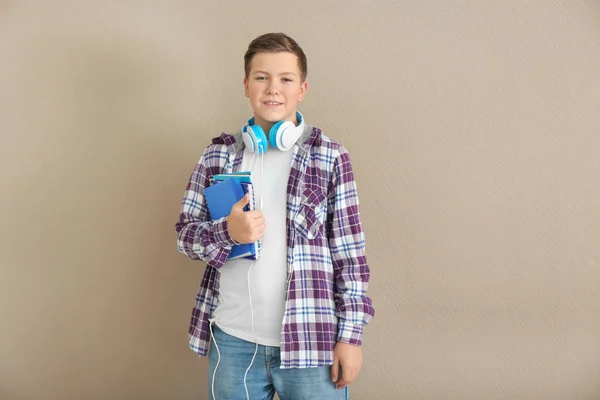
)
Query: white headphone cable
[
  {"x": 253, "y": 334},
  {"x": 218, "y": 359},
  {"x": 262, "y": 174}
]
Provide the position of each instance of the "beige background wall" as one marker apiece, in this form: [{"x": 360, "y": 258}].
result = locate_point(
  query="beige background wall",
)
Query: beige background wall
[{"x": 474, "y": 129}]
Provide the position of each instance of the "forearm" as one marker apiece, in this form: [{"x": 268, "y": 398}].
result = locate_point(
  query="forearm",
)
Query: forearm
[
  {"x": 208, "y": 241},
  {"x": 354, "y": 308}
]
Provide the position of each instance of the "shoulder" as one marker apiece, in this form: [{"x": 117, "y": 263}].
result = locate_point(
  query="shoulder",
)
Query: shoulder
[
  {"x": 332, "y": 144},
  {"x": 331, "y": 149},
  {"x": 225, "y": 142},
  {"x": 217, "y": 152}
]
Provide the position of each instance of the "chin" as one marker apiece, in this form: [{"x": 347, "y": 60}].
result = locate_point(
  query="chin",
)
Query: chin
[{"x": 273, "y": 117}]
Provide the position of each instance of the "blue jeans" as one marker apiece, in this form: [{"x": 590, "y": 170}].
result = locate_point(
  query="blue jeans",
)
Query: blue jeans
[{"x": 264, "y": 377}]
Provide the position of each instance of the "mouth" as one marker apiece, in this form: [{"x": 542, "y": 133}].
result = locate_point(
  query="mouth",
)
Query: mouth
[{"x": 270, "y": 103}]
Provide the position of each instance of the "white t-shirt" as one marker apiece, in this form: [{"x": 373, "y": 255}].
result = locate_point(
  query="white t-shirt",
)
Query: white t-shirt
[{"x": 268, "y": 274}]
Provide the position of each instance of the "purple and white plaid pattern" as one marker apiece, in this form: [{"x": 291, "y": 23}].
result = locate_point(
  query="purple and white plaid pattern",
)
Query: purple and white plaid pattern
[{"x": 327, "y": 270}]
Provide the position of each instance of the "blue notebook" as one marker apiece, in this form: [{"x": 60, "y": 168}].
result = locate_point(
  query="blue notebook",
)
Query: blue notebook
[{"x": 220, "y": 197}]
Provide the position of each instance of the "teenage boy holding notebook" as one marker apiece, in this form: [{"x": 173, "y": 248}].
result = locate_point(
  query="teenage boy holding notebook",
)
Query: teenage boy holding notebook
[{"x": 290, "y": 322}]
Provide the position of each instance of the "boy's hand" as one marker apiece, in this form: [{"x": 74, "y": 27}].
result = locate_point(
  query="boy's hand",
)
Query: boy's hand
[
  {"x": 245, "y": 226},
  {"x": 349, "y": 358}
]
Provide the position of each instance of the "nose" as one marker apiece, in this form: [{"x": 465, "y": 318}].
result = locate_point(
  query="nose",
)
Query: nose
[{"x": 272, "y": 88}]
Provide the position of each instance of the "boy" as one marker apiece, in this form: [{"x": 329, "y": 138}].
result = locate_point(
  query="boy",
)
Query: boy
[{"x": 290, "y": 322}]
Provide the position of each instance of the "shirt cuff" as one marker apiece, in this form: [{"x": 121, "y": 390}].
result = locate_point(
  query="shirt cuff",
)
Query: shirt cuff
[
  {"x": 349, "y": 333},
  {"x": 221, "y": 232}
]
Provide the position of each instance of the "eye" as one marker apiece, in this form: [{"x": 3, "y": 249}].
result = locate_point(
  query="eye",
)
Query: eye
[
  {"x": 287, "y": 80},
  {"x": 261, "y": 78}
]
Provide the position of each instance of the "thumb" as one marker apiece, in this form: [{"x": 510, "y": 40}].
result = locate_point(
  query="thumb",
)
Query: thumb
[
  {"x": 239, "y": 206},
  {"x": 335, "y": 370}
]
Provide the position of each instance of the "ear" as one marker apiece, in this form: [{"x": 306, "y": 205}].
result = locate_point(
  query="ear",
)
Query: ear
[
  {"x": 246, "y": 90},
  {"x": 303, "y": 89}
]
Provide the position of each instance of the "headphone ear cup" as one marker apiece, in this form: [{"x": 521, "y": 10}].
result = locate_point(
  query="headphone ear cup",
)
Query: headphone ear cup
[
  {"x": 283, "y": 135},
  {"x": 276, "y": 133},
  {"x": 259, "y": 138},
  {"x": 249, "y": 139}
]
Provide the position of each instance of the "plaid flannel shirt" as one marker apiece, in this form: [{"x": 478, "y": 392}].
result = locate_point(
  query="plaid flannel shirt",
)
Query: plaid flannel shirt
[{"x": 327, "y": 269}]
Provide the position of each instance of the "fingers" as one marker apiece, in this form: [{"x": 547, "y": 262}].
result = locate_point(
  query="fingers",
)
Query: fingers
[
  {"x": 246, "y": 226},
  {"x": 335, "y": 370},
  {"x": 239, "y": 206},
  {"x": 257, "y": 229},
  {"x": 253, "y": 214},
  {"x": 257, "y": 222},
  {"x": 258, "y": 236},
  {"x": 348, "y": 376}
]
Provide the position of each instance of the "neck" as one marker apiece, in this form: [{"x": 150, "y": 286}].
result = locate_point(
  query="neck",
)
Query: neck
[{"x": 266, "y": 125}]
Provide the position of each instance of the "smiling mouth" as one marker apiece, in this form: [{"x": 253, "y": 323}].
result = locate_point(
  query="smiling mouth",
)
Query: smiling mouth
[{"x": 272, "y": 103}]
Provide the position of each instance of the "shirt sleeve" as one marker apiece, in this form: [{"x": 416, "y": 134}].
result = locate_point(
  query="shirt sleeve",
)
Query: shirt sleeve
[
  {"x": 347, "y": 245},
  {"x": 197, "y": 236}
]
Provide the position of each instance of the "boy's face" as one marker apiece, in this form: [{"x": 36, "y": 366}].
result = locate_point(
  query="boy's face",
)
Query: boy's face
[{"x": 274, "y": 87}]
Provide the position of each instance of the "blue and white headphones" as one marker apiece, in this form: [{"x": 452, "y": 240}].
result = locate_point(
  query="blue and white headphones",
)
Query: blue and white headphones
[{"x": 283, "y": 135}]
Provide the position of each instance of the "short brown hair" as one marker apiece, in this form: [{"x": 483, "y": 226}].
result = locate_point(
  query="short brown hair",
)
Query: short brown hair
[{"x": 275, "y": 43}]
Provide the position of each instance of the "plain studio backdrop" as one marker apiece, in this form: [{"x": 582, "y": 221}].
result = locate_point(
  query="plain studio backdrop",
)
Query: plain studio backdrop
[{"x": 474, "y": 130}]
